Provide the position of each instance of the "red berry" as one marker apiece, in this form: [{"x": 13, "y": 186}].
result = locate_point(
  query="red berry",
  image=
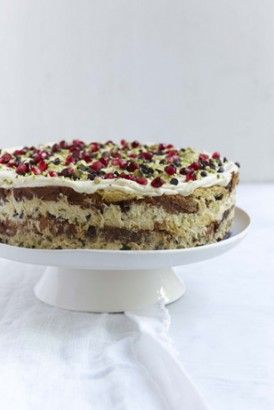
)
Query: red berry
[
  {"x": 216, "y": 155},
  {"x": 172, "y": 153},
  {"x": 105, "y": 161},
  {"x": 86, "y": 157},
  {"x": 95, "y": 147},
  {"x": 135, "y": 144},
  {"x": 195, "y": 166},
  {"x": 146, "y": 155},
  {"x": 53, "y": 174},
  {"x": 132, "y": 155},
  {"x": 5, "y": 158},
  {"x": 55, "y": 148},
  {"x": 124, "y": 143},
  {"x": 169, "y": 146},
  {"x": 78, "y": 143},
  {"x": 162, "y": 147},
  {"x": 22, "y": 169},
  {"x": 157, "y": 182},
  {"x": 63, "y": 144},
  {"x": 42, "y": 166},
  {"x": 190, "y": 176},
  {"x": 96, "y": 166},
  {"x": 203, "y": 157},
  {"x": 11, "y": 164},
  {"x": 141, "y": 180},
  {"x": 70, "y": 160},
  {"x": 132, "y": 166},
  {"x": 127, "y": 176},
  {"x": 44, "y": 154},
  {"x": 19, "y": 152},
  {"x": 122, "y": 163},
  {"x": 40, "y": 156},
  {"x": 170, "y": 169},
  {"x": 35, "y": 171},
  {"x": 110, "y": 175}
]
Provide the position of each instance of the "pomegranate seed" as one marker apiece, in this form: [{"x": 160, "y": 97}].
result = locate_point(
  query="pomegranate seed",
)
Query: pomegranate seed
[
  {"x": 146, "y": 155},
  {"x": 127, "y": 176},
  {"x": 203, "y": 157},
  {"x": 132, "y": 166},
  {"x": 124, "y": 143},
  {"x": 141, "y": 180},
  {"x": 132, "y": 155},
  {"x": 173, "y": 159},
  {"x": 162, "y": 147},
  {"x": 169, "y": 146},
  {"x": 105, "y": 161},
  {"x": 110, "y": 175},
  {"x": 44, "y": 154},
  {"x": 172, "y": 153},
  {"x": 22, "y": 169},
  {"x": 5, "y": 158},
  {"x": 96, "y": 166},
  {"x": 12, "y": 164},
  {"x": 170, "y": 169},
  {"x": 76, "y": 155},
  {"x": 122, "y": 163},
  {"x": 35, "y": 171},
  {"x": 135, "y": 144},
  {"x": 53, "y": 174},
  {"x": 216, "y": 155},
  {"x": 19, "y": 152},
  {"x": 190, "y": 177},
  {"x": 55, "y": 148},
  {"x": 63, "y": 144},
  {"x": 42, "y": 166},
  {"x": 40, "y": 156},
  {"x": 86, "y": 157},
  {"x": 78, "y": 143},
  {"x": 157, "y": 182},
  {"x": 70, "y": 160},
  {"x": 95, "y": 147},
  {"x": 195, "y": 166}
]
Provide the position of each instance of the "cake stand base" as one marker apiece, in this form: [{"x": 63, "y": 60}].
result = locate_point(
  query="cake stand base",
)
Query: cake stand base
[{"x": 107, "y": 290}]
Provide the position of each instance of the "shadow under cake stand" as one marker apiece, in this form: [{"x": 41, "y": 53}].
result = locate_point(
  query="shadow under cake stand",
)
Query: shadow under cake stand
[{"x": 115, "y": 281}]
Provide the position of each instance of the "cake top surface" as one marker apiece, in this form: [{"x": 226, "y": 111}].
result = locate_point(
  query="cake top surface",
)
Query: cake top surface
[{"x": 127, "y": 166}]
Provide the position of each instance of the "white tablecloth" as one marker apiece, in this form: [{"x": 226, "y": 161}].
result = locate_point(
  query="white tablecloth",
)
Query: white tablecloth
[{"x": 223, "y": 329}]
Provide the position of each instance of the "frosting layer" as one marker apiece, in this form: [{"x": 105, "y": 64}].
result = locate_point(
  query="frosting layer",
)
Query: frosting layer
[{"x": 132, "y": 168}]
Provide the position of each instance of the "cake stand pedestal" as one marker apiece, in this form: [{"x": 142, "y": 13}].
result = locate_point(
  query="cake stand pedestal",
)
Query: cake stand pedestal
[
  {"x": 106, "y": 290},
  {"x": 115, "y": 281}
]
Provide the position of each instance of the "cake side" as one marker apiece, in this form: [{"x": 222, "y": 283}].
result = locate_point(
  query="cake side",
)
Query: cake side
[
  {"x": 140, "y": 196},
  {"x": 60, "y": 220}
]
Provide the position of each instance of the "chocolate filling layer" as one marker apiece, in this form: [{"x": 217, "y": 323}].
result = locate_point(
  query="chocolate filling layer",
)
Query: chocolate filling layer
[
  {"x": 60, "y": 226},
  {"x": 171, "y": 203}
]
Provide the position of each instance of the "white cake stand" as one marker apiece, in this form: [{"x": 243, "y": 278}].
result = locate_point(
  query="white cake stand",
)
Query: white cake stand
[{"x": 115, "y": 281}]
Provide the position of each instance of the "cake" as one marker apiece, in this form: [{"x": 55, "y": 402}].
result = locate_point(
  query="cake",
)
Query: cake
[{"x": 118, "y": 196}]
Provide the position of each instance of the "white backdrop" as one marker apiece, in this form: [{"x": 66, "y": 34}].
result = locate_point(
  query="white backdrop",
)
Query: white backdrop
[{"x": 192, "y": 71}]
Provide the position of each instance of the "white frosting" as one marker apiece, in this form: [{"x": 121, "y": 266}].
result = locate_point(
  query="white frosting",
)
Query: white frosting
[{"x": 9, "y": 179}]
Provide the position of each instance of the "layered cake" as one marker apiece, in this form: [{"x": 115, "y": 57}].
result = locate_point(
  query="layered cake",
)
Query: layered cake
[{"x": 115, "y": 196}]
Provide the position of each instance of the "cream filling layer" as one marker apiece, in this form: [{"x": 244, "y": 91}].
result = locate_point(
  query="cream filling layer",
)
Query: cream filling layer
[{"x": 9, "y": 179}]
